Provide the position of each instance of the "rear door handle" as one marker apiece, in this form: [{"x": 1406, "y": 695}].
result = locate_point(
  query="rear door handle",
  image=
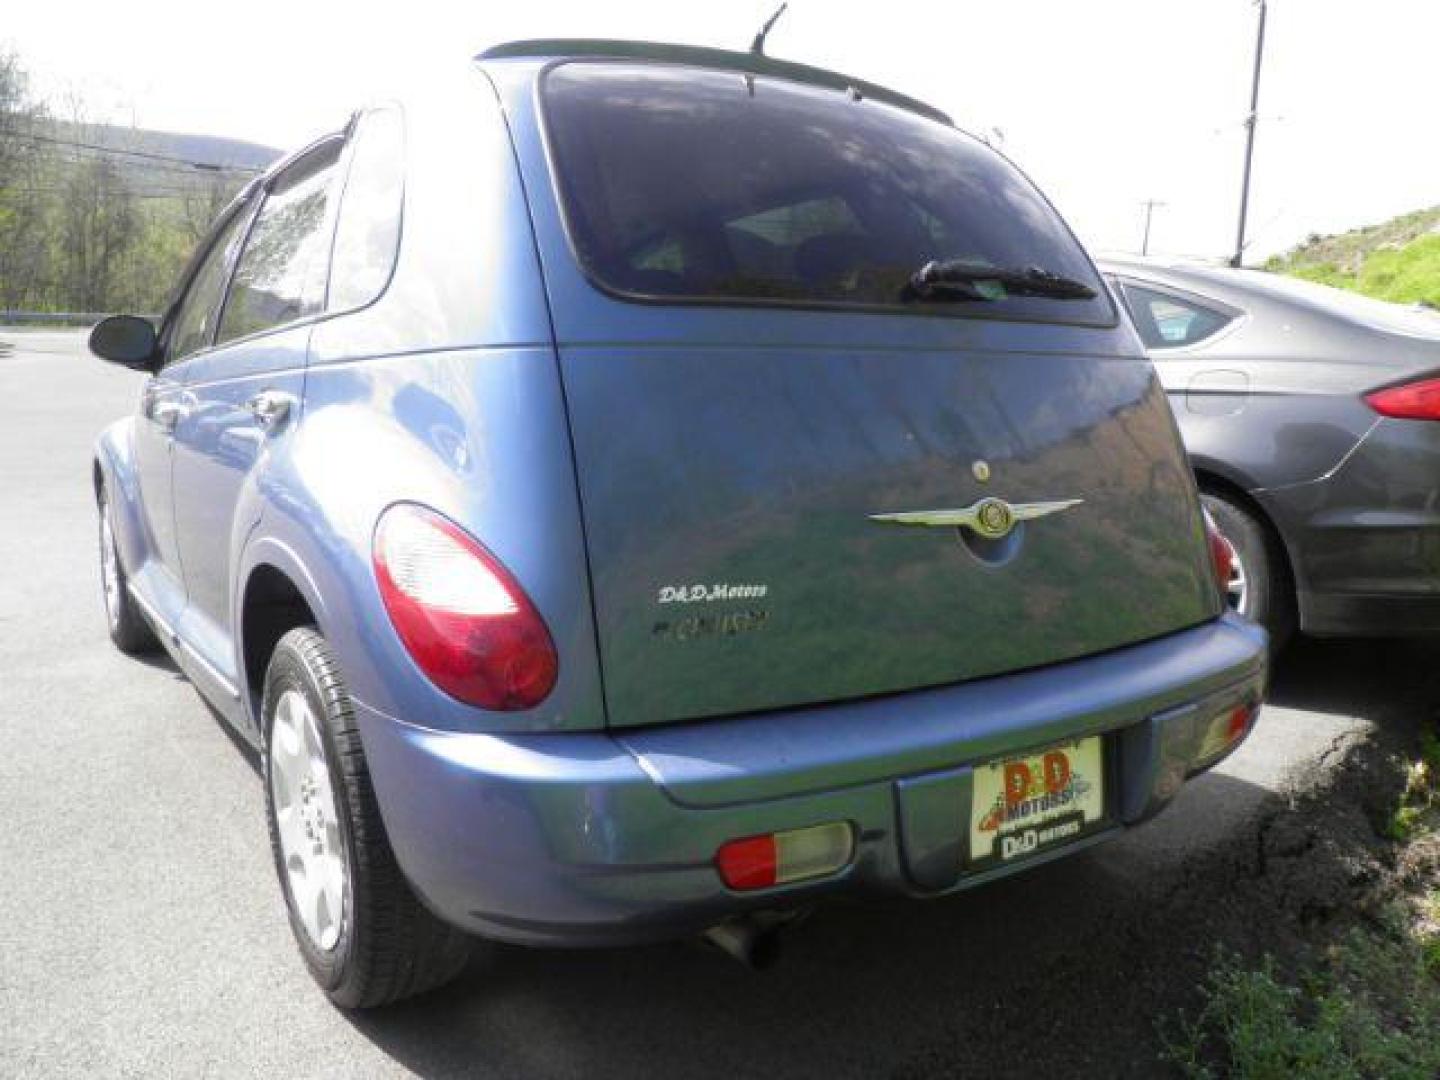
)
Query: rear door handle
[{"x": 270, "y": 408}]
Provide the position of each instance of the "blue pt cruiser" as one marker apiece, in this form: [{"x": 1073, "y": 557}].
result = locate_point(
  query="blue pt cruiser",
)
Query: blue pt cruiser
[{"x": 629, "y": 491}]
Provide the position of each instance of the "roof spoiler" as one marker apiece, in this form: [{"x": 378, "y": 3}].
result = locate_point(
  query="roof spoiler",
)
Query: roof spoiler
[{"x": 699, "y": 56}]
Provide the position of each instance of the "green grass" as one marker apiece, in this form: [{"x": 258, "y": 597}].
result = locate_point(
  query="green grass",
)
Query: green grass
[
  {"x": 1397, "y": 261},
  {"x": 1430, "y": 942},
  {"x": 1404, "y": 822},
  {"x": 1371, "y": 1008},
  {"x": 1420, "y": 800}
]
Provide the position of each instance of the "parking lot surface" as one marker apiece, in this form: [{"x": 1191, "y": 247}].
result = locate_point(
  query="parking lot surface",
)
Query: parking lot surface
[{"x": 142, "y": 932}]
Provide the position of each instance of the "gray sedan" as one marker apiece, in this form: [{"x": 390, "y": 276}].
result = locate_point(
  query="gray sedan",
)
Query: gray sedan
[{"x": 1310, "y": 416}]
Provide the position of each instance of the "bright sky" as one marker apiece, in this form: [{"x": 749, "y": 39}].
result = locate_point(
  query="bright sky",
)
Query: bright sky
[{"x": 1104, "y": 102}]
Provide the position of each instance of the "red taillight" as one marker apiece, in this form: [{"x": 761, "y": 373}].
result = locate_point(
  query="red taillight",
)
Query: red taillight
[
  {"x": 1412, "y": 401},
  {"x": 460, "y": 615},
  {"x": 1222, "y": 553}
]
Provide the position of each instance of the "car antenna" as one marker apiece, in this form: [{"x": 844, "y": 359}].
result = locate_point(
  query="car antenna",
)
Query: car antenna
[{"x": 757, "y": 47}]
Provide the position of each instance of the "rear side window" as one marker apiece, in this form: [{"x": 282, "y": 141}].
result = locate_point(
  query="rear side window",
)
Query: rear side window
[
  {"x": 1167, "y": 321},
  {"x": 367, "y": 234},
  {"x": 694, "y": 185},
  {"x": 281, "y": 273}
]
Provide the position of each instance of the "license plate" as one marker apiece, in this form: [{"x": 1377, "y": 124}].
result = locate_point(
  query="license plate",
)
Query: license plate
[{"x": 1025, "y": 805}]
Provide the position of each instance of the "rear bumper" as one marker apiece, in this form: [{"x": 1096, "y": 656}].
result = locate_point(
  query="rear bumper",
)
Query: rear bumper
[{"x": 609, "y": 838}]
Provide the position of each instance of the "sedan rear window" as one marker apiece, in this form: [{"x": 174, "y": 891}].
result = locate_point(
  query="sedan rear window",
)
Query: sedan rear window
[{"x": 692, "y": 185}]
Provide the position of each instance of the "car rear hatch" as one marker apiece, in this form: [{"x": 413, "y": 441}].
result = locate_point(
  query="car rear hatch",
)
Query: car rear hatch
[{"x": 755, "y": 392}]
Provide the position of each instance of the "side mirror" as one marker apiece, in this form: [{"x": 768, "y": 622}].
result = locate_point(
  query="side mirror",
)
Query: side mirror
[{"x": 125, "y": 339}]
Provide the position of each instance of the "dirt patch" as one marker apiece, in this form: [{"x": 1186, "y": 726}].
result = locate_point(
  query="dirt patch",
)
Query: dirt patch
[{"x": 1324, "y": 854}]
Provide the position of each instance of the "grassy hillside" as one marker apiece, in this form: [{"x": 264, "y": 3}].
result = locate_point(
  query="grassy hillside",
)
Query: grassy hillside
[{"x": 1399, "y": 260}]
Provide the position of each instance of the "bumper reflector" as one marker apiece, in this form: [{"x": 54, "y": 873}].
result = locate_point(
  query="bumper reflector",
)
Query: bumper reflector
[
  {"x": 758, "y": 862},
  {"x": 1224, "y": 731}
]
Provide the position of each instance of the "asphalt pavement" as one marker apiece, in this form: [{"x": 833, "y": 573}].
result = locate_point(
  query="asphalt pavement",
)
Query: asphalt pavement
[{"x": 142, "y": 931}]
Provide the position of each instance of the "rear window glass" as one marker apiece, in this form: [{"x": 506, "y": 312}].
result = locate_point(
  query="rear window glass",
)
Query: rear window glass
[{"x": 690, "y": 184}]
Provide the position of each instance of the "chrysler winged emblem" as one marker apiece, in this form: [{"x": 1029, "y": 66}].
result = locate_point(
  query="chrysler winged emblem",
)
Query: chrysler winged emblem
[{"x": 990, "y": 517}]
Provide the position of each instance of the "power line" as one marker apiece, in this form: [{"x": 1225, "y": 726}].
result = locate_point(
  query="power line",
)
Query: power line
[
  {"x": 176, "y": 171},
  {"x": 193, "y": 193},
  {"x": 161, "y": 179},
  {"x": 203, "y": 166}
]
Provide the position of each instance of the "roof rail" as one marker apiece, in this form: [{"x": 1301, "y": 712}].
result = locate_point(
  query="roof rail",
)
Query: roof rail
[{"x": 700, "y": 56}]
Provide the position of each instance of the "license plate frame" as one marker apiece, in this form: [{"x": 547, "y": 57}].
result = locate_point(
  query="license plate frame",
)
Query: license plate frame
[{"x": 1064, "y": 798}]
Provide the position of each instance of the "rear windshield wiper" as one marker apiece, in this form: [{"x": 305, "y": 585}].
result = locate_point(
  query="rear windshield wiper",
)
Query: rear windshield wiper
[{"x": 959, "y": 279}]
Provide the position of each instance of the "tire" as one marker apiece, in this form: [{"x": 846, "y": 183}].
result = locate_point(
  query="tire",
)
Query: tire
[
  {"x": 365, "y": 937},
  {"x": 1261, "y": 591},
  {"x": 128, "y": 628}
]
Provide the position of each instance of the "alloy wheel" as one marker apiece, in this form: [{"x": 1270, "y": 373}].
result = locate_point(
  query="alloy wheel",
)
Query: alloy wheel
[
  {"x": 109, "y": 566},
  {"x": 307, "y": 823},
  {"x": 1237, "y": 589}
]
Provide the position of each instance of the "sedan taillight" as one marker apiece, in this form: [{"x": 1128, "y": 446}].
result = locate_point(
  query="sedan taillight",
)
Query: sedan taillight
[
  {"x": 462, "y": 618},
  {"x": 1222, "y": 554},
  {"x": 1409, "y": 401}
]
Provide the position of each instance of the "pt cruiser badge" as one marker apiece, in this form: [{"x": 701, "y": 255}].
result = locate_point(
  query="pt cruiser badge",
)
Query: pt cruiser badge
[{"x": 990, "y": 517}]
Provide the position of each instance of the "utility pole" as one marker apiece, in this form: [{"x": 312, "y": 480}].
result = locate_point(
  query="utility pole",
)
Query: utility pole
[
  {"x": 1150, "y": 205},
  {"x": 1250, "y": 122}
]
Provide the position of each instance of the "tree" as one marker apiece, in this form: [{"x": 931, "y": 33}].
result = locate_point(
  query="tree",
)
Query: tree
[
  {"x": 15, "y": 110},
  {"x": 99, "y": 223},
  {"x": 203, "y": 204},
  {"x": 89, "y": 219},
  {"x": 23, "y": 256}
]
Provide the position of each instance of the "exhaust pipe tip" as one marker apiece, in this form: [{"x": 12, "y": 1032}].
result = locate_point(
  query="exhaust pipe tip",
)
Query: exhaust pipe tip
[{"x": 753, "y": 943}]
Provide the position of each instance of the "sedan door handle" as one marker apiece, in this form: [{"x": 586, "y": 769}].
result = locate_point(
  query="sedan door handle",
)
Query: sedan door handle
[{"x": 270, "y": 408}]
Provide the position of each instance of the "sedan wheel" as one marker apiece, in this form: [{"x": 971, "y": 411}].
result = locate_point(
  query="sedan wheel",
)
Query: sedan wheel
[
  {"x": 1236, "y": 591},
  {"x": 1259, "y": 585}
]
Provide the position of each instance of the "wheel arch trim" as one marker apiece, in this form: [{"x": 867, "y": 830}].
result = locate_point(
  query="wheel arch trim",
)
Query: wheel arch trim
[
  {"x": 267, "y": 553},
  {"x": 112, "y": 468}
]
